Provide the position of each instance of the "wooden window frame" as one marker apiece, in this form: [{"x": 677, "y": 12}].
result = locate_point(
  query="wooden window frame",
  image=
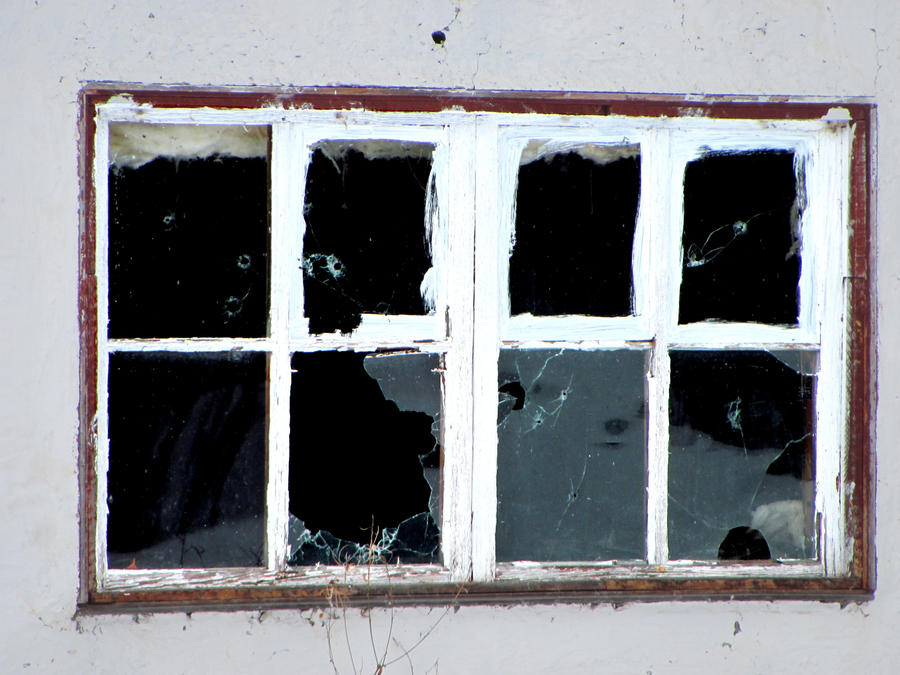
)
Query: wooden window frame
[{"x": 470, "y": 573}]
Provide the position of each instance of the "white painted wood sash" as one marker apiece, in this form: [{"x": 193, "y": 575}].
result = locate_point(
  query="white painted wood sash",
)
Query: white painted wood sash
[{"x": 475, "y": 166}]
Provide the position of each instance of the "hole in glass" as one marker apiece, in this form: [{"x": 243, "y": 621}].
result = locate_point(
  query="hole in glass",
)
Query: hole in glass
[
  {"x": 365, "y": 461},
  {"x": 572, "y": 439},
  {"x": 576, "y": 209},
  {"x": 188, "y": 231},
  {"x": 741, "y": 452},
  {"x": 367, "y": 248},
  {"x": 741, "y": 238}
]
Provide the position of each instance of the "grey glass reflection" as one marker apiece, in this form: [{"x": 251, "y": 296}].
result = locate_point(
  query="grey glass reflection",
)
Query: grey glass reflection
[
  {"x": 741, "y": 455},
  {"x": 365, "y": 461},
  {"x": 187, "y": 457},
  {"x": 571, "y": 456}
]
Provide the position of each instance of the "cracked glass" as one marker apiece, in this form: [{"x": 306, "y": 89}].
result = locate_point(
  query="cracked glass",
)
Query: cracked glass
[
  {"x": 187, "y": 456},
  {"x": 741, "y": 455},
  {"x": 365, "y": 458},
  {"x": 368, "y": 209},
  {"x": 188, "y": 237},
  {"x": 741, "y": 239},
  {"x": 571, "y": 457},
  {"x": 576, "y": 209}
]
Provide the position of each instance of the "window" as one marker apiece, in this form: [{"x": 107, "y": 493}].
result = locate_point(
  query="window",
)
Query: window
[{"x": 440, "y": 346}]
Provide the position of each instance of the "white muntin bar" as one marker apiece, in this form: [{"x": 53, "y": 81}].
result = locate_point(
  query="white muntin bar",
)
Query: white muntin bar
[
  {"x": 457, "y": 206},
  {"x": 659, "y": 271},
  {"x": 829, "y": 198},
  {"x": 286, "y": 163},
  {"x": 496, "y": 173},
  {"x": 190, "y": 345},
  {"x": 101, "y": 421}
]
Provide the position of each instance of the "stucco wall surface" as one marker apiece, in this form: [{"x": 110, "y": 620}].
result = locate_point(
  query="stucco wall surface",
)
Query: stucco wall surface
[{"x": 50, "y": 48}]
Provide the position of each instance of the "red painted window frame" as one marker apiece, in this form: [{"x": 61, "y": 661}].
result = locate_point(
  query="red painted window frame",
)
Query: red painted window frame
[{"x": 859, "y": 583}]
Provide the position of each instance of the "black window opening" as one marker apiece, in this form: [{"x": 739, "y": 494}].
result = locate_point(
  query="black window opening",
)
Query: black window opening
[
  {"x": 576, "y": 211},
  {"x": 366, "y": 249},
  {"x": 188, "y": 244},
  {"x": 741, "y": 239},
  {"x": 365, "y": 458}
]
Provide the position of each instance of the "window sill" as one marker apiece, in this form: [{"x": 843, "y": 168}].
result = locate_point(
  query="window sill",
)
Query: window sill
[{"x": 430, "y": 585}]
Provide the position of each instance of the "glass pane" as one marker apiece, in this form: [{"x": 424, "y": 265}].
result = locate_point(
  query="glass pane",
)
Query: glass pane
[
  {"x": 367, "y": 246},
  {"x": 365, "y": 460},
  {"x": 576, "y": 209},
  {"x": 571, "y": 457},
  {"x": 741, "y": 238},
  {"x": 188, "y": 231},
  {"x": 187, "y": 460},
  {"x": 741, "y": 455}
]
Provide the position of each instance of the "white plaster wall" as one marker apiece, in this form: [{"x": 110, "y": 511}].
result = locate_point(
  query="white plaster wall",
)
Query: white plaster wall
[{"x": 48, "y": 48}]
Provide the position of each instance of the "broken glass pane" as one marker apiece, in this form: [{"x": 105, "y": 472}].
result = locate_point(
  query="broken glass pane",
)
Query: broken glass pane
[
  {"x": 571, "y": 457},
  {"x": 367, "y": 247},
  {"x": 741, "y": 455},
  {"x": 741, "y": 238},
  {"x": 365, "y": 461},
  {"x": 188, "y": 233},
  {"x": 576, "y": 210},
  {"x": 187, "y": 457}
]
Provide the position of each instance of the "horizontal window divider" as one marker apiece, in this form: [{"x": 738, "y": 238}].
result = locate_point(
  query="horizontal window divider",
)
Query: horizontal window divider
[
  {"x": 587, "y": 345},
  {"x": 350, "y": 575},
  {"x": 352, "y": 344},
  {"x": 191, "y": 345},
  {"x": 626, "y": 570},
  {"x": 677, "y": 345},
  {"x": 377, "y": 327},
  {"x": 722, "y": 334},
  {"x": 576, "y": 328},
  {"x": 382, "y": 574}
]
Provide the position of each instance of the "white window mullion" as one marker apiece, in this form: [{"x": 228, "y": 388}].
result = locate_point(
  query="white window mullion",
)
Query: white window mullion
[
  {"x": 828, "y": 196},
  {"x": 287, "y": 162},
  {"x": 660, "y": 271},
  {"x": 100, "y": 430},
  {"x": 456, "y": 192},
  {"x": 491, "y": 297}
]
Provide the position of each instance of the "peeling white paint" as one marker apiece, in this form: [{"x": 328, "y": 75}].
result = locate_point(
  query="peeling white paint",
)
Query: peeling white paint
[
  {"x": 375, "y": 149},
  {"x": 133, "y": 144},
  {"x": 599, "y": 154},
  {"x": 490, "y": 148}
]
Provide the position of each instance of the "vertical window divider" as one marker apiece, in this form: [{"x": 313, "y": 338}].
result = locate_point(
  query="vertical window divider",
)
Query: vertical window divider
[
  {"x": 660, "y": 216},
  {"x": 491, "y": 245},
  {"x": 828, "y": 193},
  {"x": 287, "y": 171},
  {"x": 100, "y": 430},
  {"x": 456, "y": 192}
]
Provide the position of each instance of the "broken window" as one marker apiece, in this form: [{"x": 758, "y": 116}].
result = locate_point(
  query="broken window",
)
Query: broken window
[
  {"x": 576, "y": 208},
  {"x": 365, "y": 460},
  {"x": 367, "y": 246},
  {"x": 741, "y": 237},
  {"x": 571, "y": 455},
  {"x": 369, "y": 354},
  {"x": 741, "y": 453},
  {"x": 188, "y": 232}
]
